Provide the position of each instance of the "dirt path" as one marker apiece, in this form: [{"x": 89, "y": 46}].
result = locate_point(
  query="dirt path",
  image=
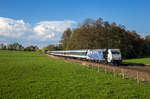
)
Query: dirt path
[{"x": 136, "y": 72}]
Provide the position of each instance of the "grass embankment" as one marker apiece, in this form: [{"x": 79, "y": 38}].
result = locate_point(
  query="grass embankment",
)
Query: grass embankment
[
  {"x": 28, "y": 75},
  {"x": 145, "y": 61}
]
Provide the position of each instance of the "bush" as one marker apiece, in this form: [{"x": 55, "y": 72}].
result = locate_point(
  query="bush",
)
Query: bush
[{"x": 44, "y": 50}]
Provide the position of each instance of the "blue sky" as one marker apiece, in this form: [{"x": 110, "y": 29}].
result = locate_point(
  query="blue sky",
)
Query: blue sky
[{"x": 39, "y": 16}]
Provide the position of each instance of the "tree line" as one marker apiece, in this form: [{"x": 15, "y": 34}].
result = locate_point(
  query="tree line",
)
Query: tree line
[
  {"x": 17, "y": 46},
  {"x": 99, "y": 34}
]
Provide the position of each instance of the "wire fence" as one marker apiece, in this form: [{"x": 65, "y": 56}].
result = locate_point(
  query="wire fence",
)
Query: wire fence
[{"x": 124, "y": 71}]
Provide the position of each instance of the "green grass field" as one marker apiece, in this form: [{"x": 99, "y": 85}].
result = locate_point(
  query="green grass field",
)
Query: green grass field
[
  {"x": 29, "y": 75},
  {"x": 145, "y": 61}
]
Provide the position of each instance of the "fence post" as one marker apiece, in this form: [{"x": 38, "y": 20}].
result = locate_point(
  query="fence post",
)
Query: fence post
[
  {"x": 114, "y": 72},
  {"x": 105, "y": 70},
  {"x": 88, "y": 66},
  {"x": 122, "y": 73},
  {"x": 137, "y": 77},
  {"x": 98, "y": 68},
  {"x": 92, "y": 67}
]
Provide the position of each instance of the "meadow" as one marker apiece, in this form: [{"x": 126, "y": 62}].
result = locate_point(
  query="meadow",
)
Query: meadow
[
  {"x": 145, "y": 61},
  {"x": 30, "y": 75}
]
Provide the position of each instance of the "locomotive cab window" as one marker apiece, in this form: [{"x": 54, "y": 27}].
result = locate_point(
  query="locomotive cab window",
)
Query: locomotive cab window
[{"x": 115, "y": 52}]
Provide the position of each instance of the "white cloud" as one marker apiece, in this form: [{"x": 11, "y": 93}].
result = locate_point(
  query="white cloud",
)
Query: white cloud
[
  {"x": 13, "y": 28},
  {"x": 50, "y": 29},
  {"x": 44, "y": 31}
]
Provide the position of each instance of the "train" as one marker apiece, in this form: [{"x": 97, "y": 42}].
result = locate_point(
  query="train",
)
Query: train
[{"x": 109, "y": 56}]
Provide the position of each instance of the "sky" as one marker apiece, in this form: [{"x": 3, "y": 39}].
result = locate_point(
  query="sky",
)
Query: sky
[{"x": 42, "y": 22}]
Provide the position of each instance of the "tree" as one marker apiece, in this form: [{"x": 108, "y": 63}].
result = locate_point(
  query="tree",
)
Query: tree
[
  {"x": 17, "y": 46},
  {"x": 3, "y": 46},
  {"x": 31, "y": 48},
  {"x": 44, "y": 49},
  {"x": 65, "y": 38},
  {"x": 53, "y": 47},
  {"x": 10, "y": 46},
  {"x": 147, "y": 38}
]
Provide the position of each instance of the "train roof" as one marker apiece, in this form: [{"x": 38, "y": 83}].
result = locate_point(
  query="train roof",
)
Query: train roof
[{"x": 82, "y": 50}]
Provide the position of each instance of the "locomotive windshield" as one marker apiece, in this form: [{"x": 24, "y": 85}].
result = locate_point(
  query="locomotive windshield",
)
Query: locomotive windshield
[{"x": 115, "y": 52}]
